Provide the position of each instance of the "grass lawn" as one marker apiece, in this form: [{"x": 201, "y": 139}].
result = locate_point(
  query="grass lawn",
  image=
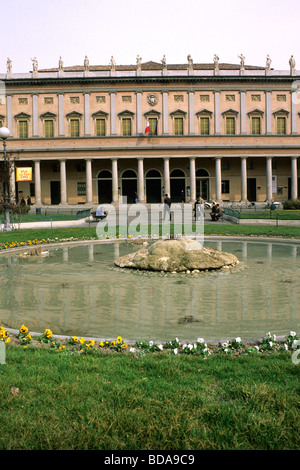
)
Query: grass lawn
[
  {"x": 157, "y": 401},
  {"x": 268, "y": 214}
]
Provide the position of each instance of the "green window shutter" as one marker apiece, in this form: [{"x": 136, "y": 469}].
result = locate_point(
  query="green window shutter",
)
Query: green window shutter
[
  {"x": 100, "y": 127},
  {"x": 255, "y": 125},
  {"x": 74, "y": 127},
  {"x": 204, "y": 126},
  {"x": 230, "y": 125},
  {"x": 178, "y": 125},
  {"x": 49, "y": 128},
  {"x": 23, "y": 129},
  {"x": 281, "y": 125},
  {"x": 153, "y": 126},
  {"x": 126, "y": 126}
]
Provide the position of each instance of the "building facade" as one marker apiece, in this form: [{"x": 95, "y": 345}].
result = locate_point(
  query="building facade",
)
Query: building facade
[{"x": 225, "y": 132}]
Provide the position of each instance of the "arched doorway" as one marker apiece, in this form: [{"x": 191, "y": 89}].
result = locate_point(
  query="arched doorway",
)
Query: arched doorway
[
  {"x": 129, "y": 186},
  {"x": 177, "y": 184},
  {"x": 104, "y": 186},
  {"x": 153, "y": 186},
  {"x": 202, "y": 184}
]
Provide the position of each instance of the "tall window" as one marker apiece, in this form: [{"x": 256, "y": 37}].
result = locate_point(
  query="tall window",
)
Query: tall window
[
  {"x": 49, "y": 127},
  {"x": 230, "y": 125},
  {"x": 178, "y": 126},
  {"x": 74, "y": 127},
  {"x": 153, "y": 126},
  {"x": 100, "y": 127},
  {"x": 281, "y": 125},
  {"x": 204, "y": 125},
  {"x": 23, "y": 129},
  {"x": 126, "y": 126},
  {"x": 255, "y": 125}
]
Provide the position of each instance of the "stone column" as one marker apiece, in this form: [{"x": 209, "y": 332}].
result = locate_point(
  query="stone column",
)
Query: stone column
[
  {"x": 294, "y": 100},
  {"x": 35, "y": 116},
  {"x": 191, "y": 113},
  {"x": 165, "y": 113},
  {"x": 12, "y": 183},
  {"x": 63, "y": 183},
  {"x": 193, "y": 179},
  {"x": 87, "y": 124},
  {"x": 243, "y": 179},
  {"x": 61, "y": 117},
  {"x": 113, "y": 114},
  {"x": 115, "y": 186},
  {"x": 217, "y": 112},
  {"x": 89, "y": 183},
  {"x": 269, "y": 179},
  {"x": 294, "y": 178},
  {"x": 268, "y": 113},
  {"x": 243, "y": 112},
  {"x": 140, "y": 190},
  {"x": 139, "y": 117},
  {"x": 37, "y": 183},
  {"x": 167, "y": 176},
  {"x": 218, "y": 179}
]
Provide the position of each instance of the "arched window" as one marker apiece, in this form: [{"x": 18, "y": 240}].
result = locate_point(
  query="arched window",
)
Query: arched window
[
  {"x": 201, "y": 172},
  {"x": 129, "y": 174},
  {"x": 104, "y": 174}
]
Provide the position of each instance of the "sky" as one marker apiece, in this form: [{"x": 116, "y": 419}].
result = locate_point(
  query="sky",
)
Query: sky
[{"x": 124, "y": 29}]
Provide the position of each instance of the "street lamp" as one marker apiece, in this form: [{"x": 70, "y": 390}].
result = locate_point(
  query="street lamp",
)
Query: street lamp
[{"x": 4, "y": 134}]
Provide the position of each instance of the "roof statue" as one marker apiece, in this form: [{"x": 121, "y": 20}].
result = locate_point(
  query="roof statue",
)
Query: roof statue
[
  {"x": 112, "y": 63},
  {"x": 86, "y": 63},
  {"x": 164, "y": 62},
  {"x": 268, "y": 62},
  {"x": 35, "y": 64},
  {"x": 292, "y": 63},
  {"x": 60, "y": 63},
  {"x": 139, "y": 62},
  {"x": 242, "y": 63},
  {"x": 8, "y": 65},
  {"x": 190, "y": 62},
  {"x": 216, "y": 61}
]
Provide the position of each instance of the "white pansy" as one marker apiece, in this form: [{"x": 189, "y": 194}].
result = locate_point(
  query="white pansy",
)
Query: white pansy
[
  {"x": 175, "y": 351},
  {"x": 132, "y": 349},
  {"x": 184, "y": 346},
  {"x": 200, "y": 340},
  {"x": 292, "y": 333},
  {"x": 238, "y": 339},
  {"x": 160, "y": 347},
  {"x": 150, "y": 343}
]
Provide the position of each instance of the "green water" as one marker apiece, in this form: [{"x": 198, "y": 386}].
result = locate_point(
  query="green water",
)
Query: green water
[{"x": 77, "y": 290}]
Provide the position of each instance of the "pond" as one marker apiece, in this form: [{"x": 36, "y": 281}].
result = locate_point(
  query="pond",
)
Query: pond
[{"x": 77, "y": 290}]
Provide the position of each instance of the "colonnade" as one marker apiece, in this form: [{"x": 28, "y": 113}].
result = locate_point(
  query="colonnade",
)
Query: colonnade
[{"x": 166, "y": 178}]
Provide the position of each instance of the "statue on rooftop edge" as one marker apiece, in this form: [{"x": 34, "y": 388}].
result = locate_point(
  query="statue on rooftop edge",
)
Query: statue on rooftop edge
[
  {"x": 8, "y": 65},
  {"x": 86, "y": 63},
  {"x": 292, "y": 63},
  {"x": 242, "y": 63},
  {"x": 60, "y": 63},
  {"x": 139, "y": 62},
  {"x": 112, "y": 63},
  {"x": 190, "y": 62},
  {"x": 164, "y": 62},
  {"x": 216, "y": 62},
  {"x": 268, "y": 62},
  {"x": 35, "y": 64}
]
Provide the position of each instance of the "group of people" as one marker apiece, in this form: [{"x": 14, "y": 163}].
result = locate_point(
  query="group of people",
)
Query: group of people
[{"x": 216, "y": 212}]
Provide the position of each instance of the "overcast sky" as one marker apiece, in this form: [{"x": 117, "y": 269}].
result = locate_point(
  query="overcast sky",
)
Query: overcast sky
[{"x": 149, "y": 28}]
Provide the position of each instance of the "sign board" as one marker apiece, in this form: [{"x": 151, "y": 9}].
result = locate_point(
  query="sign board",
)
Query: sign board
[{"x": 24, "y": 174}]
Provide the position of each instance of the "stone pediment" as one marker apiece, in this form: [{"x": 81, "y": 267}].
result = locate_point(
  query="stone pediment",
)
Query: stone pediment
[
  {"x": 152, "y": 112},
  {"x": 22, "y": 116},
  {"x": 178, "y": 111},
  {"x": 281, "y": 111},
  {"x": 99, "y": 114},
  {"x": 125, "y": 113},
  {"x": 48, "y": 115},
  {"x": 74, "y": 115},
  {"x": 256, "y": 111},
  {"x": 230, "y": 111},
  {"x": 204, "y": 111}
]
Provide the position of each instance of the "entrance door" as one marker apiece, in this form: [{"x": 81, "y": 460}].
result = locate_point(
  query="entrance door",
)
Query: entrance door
[
  {"x": 153, "y": 186},
  {"x": 202, "y": 189},
  {"x": 251, "y": 189},
  {"x": 129, "y": 186},
  {"x": 55, "y": 192},
  {"x": 105, "y": 187},
  {"x": 177, "y": 184}
]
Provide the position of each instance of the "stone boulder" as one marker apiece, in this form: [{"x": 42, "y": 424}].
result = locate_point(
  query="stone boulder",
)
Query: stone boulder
[{"x": 179, "y": 255}]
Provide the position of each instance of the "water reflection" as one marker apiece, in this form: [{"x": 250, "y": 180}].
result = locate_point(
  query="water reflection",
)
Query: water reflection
[{"x": 78, "y": 290}]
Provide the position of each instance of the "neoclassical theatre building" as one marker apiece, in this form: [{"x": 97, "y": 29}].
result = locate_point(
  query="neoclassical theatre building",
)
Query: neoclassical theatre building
[{"x": 98, "y": 134}]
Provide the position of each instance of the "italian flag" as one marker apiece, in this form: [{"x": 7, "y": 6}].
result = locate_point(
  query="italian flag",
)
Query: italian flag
[{"x": 147, "y": 128}]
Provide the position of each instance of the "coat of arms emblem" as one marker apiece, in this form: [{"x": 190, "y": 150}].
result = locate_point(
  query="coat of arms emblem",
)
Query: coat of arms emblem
[{"x": 152, "y": 99}]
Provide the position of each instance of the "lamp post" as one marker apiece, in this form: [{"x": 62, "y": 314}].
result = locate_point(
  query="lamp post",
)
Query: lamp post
[{"x": 4, "y": 134}]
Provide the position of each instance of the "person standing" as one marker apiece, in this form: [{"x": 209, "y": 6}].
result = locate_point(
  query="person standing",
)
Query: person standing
[{"x": 167, "y": 206}]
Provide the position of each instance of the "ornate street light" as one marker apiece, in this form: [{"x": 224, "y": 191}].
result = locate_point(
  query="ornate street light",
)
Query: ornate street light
[{"x": 4, "y": 134}]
